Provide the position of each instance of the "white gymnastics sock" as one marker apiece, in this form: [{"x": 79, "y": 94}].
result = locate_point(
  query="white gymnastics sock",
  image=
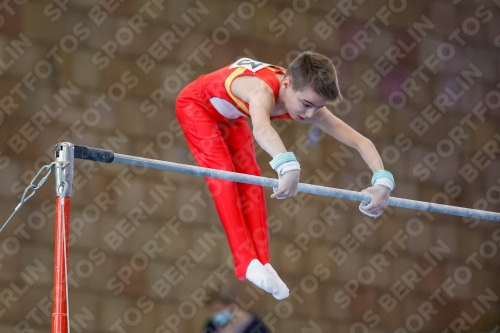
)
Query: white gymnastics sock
[
  {"x": 258, "y": 275},
  {"x": 283, "y": 290}
]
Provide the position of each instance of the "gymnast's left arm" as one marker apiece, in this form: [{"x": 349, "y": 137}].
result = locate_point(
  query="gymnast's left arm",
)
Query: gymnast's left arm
[{"x": 339, "y": 130}]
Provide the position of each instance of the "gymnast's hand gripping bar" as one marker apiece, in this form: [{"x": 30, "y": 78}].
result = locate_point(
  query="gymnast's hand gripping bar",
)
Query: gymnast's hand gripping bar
[{"x": 107, "y": 156}]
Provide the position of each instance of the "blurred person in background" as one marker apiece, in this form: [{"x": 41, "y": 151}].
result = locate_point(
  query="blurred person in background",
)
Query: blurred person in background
[{"x": 228, "y": 317}]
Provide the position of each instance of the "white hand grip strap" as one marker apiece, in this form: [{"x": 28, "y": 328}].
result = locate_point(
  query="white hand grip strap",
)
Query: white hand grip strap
[{"x": 364, "y": 204}]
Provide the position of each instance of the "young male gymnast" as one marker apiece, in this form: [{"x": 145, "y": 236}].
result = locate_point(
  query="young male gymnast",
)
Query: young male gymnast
[{"x": 213, "y": 112}]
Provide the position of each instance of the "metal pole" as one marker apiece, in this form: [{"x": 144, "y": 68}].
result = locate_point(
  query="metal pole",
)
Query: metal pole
[
  {"x": 106, "y": 156},
  {"x": 64, "y": 158}
]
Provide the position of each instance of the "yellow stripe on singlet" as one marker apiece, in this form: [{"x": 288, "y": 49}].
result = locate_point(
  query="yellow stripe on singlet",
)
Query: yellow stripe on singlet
[
  {"x": 227, "y": 85},
  {"x": 231, "y": 77}
]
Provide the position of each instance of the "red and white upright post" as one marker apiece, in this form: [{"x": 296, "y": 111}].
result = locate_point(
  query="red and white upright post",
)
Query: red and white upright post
[{"x": 64, "y": 158}]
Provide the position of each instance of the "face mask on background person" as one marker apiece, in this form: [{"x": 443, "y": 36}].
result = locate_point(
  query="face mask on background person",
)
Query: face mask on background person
[{"x": 221, "y": 318}]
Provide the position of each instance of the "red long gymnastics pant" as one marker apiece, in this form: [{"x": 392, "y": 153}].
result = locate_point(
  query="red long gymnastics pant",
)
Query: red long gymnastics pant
[{"x": 220, "y": 143}]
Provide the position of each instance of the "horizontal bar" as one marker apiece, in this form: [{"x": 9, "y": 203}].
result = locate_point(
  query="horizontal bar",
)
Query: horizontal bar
[
  {"x": 306, "y": 188},
  {"x": 237, "y": 177}
]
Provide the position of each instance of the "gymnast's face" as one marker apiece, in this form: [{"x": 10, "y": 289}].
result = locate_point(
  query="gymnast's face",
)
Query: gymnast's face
[{"x": 300, "y": 104}]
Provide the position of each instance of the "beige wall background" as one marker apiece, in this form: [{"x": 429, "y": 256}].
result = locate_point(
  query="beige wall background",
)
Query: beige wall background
[{"x": 419, "y": 78}]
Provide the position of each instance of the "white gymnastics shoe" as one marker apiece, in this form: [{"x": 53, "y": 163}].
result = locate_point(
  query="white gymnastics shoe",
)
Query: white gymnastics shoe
[
  {"x": 259, "y": 275},
  {"x": 283, "y": 290}
]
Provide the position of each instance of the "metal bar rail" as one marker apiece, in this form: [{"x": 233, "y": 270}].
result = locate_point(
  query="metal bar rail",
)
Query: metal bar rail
[{"x": 106, "y": 156}]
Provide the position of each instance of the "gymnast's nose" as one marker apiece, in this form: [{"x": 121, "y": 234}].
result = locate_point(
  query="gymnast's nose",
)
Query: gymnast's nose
[{"x": 309, "y": 112}]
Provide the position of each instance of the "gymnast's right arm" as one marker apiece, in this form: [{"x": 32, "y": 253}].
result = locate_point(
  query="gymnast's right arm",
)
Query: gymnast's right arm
[{"x": 260, "y": 98}]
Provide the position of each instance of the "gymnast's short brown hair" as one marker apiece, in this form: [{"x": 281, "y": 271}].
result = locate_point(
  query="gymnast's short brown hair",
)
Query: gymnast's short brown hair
[{"x": 316, "y": 71}]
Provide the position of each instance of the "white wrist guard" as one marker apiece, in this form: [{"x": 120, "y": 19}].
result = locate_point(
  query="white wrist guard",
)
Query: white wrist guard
[
  {"x": 385, "y": 178},
  {"x": 288, "y": 166},
  {"x": 284, "y": 162},
  {"x": 385, "y": 182}
]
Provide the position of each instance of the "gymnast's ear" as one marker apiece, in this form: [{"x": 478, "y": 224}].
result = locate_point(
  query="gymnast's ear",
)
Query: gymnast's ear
[{"x": 287, "y": 82}]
